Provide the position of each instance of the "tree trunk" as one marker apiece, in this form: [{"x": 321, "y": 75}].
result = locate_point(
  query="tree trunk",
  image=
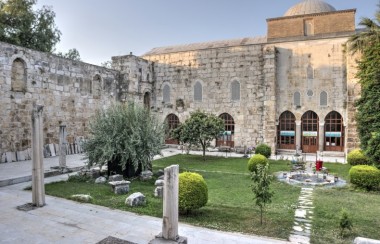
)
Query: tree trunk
[
  {"x": 261, "y": 215},
  {"x": 204, "y": 150}
]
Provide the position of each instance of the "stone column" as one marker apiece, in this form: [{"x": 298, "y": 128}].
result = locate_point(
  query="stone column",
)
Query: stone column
[
  {"x": 62, "y": 146},
  {"x": 170, "y": 206},
  {"x": 38, "y": 187},
  {"x": 321, "y": 136},
  {"x": 169, "y": 232},
  {"x": 298, "y": 135}
]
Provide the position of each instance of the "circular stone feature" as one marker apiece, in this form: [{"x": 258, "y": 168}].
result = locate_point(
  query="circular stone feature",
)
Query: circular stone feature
[{"x": 310, "y": 179}]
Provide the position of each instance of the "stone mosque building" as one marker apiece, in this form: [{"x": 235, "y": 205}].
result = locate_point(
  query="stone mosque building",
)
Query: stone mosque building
[{"x": 293, "y": 89}]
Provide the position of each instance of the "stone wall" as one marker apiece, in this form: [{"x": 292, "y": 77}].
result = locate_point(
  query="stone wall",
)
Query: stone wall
[
  {"x": 70, "y": 92},
  {"x": 215, "y": 69},
  {"x": 323, "y": 23}
]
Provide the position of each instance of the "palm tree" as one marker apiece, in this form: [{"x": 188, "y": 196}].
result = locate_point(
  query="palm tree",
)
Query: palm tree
[{"x": 368, "y": 36}]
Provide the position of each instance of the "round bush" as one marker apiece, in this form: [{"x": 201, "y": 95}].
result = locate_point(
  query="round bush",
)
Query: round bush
[
  {"x": 365, "y": 176},
  {"x": 263, "y": 149},
  {"x": 193, "y": 192},
  {"x": 357, "y": 157},
  {"x": 255, "y": 160}
]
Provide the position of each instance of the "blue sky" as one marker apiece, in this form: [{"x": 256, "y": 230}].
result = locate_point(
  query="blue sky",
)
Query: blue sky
[{"x": 100, "y": 29}]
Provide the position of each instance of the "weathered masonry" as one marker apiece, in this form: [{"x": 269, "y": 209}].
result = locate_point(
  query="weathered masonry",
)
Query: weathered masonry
[{"x": 293, "y": 89}]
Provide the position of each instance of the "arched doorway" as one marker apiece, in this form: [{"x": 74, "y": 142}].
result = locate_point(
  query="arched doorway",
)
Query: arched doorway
[
  {"x": 310, "y": 126},
  {"x": 173, "y": 122},
  {"x": 286, "y": 131},
  {"x": 147, "y": 100},
  {"x": 334, "y": 132},
  {"x": 227, "y": 137}
]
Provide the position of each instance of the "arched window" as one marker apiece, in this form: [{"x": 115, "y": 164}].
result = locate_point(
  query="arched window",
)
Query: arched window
[
  {"x": 18, "y": 77},
  {"x": 97, "y": 85},
  {"x": 310, "y": 130},
  {"x": 334, "y": 132},
  {"x": 227, "y": 137},
  {"x": 297, "y": 99},
  {"x": 147, "y": 100},
  {"x": 323, "y": 99},
  {"x": 235, "y": 90},
  {"x": 198, "y": 91},
  {"x": 85, "y": 86},
  {"x": 172, "y": 122},
  {"x": 286, "y": 131},
  {"x": 166, "y": 94}
]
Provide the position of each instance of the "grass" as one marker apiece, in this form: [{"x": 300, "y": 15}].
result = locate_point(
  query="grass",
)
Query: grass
[
  {"x": 230, "y": 206},
  {"x": 363, "y": 209}
]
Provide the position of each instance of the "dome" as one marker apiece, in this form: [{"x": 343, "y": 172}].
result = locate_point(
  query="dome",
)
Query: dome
[{"x": 309, "y": 7}]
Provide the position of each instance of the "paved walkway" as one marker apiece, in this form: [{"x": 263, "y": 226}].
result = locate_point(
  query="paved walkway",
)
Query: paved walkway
[{"x": 64, "y": 221}]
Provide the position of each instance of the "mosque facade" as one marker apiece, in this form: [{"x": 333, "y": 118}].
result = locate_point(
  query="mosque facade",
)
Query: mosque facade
[{"x": 293, "y": 89}]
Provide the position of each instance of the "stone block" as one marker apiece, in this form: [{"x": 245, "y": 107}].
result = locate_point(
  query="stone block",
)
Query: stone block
[
  {"x": 362, "y": 240},
  {"x": 3, "y": 158},
  {"x": 10, "y": 157},
  {"x": 159, "y": 191},
  {"x": 52, "y": 150},
  {"x": 159, "y": 172},
  {"x": 146, "y": 175},
  {"x": 20, "y": 156},
  {"x": 57, "y": 150},
  {"x": 100, "y": 180},
  {"x": 135, "y": 199},
  {"x": 120, "y": 187},
  {"x": 159, "y": 183},
  {"x": 115, "y": 177}
]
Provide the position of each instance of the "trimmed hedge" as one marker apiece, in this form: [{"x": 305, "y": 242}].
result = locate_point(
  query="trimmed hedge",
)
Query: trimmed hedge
[
  {"x": 365, "y": 176},
  {"x": 264, "y": 150},
  {"x": 193, "y": 192},
  {"x": 357, "y": 157},
  {"x": 255, "y": 160}
]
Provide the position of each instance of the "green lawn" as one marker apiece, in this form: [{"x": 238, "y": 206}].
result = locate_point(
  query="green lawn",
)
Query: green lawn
[{"x": 230, "y": 206}]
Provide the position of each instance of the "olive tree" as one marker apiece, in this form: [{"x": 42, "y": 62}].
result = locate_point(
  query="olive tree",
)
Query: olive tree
[{"x": 125, "y": 137}]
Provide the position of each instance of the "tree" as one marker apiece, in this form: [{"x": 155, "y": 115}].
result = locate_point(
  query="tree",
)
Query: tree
[
  {"x": 71, "y": 54},
  {"x": 345, "y": 222},
  {"x": 261, "y": 187},
  {"x": 21, "y": 25},
  {"x": 367, "y": 42},
  {"x": 200, "y": 128},
  {"x": 126, "y": 137},
  {"x": 107, "y": 64}
]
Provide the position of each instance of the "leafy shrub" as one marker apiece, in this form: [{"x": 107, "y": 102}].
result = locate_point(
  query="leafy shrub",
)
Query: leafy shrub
[
  {"x": 256, "y": 160},
  {"x": 79, "y": 178},
  {"x": 193, "y": 192},
  {"x": 365, "y": 176},
  {"x": 357, "y": 157},
  {"x": 345, "y": 223},
  {"x": 264, "y": 150}
]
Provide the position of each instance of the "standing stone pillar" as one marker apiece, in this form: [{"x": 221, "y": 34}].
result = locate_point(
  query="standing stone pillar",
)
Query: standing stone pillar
[
  {"x": 38, "y": 187},
  {"x": 298, "y": 135},
  {"x": 170, "y": 208},
  {"x": 62, "y": 146},
  {"x": 321, "y": 136}
]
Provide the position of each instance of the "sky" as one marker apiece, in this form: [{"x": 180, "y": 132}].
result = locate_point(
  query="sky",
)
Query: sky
[{"x": 100, "y": 29}]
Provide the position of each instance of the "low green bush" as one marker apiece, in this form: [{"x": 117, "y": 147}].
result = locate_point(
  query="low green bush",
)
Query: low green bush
[
  {"x": 365, "y": 176},
  {"x": 255, "y": 160},
  {"x": 264, "y": 150},
  {"x": 193, "y": 192},
  {"x": 357, "y": 157}
]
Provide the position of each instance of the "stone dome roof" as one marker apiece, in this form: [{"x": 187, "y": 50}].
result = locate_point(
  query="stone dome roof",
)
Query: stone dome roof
[{"x": 309, "y": 7}]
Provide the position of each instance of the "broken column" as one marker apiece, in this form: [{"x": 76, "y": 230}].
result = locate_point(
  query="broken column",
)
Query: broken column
[
  {"x": 170, "y": 208},
  {"x": 62, "y": 147},
  {"x": 38, "y": 187}
]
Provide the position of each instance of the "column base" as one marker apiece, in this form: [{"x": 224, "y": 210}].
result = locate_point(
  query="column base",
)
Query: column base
[{"x": 160, "y": 240}]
